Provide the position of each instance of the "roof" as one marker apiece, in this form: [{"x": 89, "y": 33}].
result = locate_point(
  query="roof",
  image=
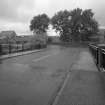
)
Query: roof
[
  {"x": 8, "y": 34},
  {"x": 2, "y": 37}
]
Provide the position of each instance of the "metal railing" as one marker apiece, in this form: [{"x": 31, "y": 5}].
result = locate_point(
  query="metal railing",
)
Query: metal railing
[{"x": 98, "y": 53}]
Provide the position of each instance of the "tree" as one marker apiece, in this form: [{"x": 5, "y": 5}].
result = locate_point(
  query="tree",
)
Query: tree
[
  {"x": 83, "y": 24},
  {"x": 39, "y": 24},
  {"x": 76, "y": 23},
  {"x": 40, "y": 40},
  {"x": 89, "y": 24},
  {"x": 61, "y": 22}
]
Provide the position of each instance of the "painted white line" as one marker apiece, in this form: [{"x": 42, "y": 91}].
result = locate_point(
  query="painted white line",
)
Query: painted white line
[
  {"x": 41, "y": 58},
  {"x": 61, "y": 90},
  {"x": 63, "y": 86}
]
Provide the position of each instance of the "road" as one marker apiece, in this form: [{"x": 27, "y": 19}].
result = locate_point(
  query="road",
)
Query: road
[{"x": 34, "y": 79}]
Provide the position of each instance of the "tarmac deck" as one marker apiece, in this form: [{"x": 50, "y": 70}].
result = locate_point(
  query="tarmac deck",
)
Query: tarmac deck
[{"x": 85, "y": 85}]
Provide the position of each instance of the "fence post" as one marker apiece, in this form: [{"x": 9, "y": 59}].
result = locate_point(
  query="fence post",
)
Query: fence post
[
  {"x": 30, "y": 46},
  {"x": 22, "y": 46},
  {"x": 9, "y": 48},
  {"x": 17, "y": 47},
  {"x": 0, "y": 49}
]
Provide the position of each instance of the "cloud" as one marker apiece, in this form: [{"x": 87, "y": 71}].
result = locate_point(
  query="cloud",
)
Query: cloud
[
  {"x": 18, "y": 27},
  {"x": 16, "y": 14},
  {"x": 15, "y": 10},
  {"x": 98, "y": 7},
  {"x": 7, "y": 9}
]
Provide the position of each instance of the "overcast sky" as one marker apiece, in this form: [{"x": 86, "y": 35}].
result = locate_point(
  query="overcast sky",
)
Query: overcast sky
[{"x": 16, "y": 14}]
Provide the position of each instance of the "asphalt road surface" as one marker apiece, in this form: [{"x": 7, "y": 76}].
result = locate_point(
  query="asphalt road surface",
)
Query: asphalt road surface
[{"x": 34, "y": 79}]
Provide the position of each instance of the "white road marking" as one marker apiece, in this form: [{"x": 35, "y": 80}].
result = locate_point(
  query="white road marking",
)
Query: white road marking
[
  {"x": 41, "y": 58},
  {"x": 61, "y": 90}
]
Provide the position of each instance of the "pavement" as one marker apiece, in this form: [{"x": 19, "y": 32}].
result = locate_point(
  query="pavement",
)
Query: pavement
[{"x": 84, "y": 85}]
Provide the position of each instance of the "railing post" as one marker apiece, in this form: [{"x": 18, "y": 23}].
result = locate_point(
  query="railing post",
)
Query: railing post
[
  {"x": 100, "y": 60},
  {"x": 97, "y": 55}
]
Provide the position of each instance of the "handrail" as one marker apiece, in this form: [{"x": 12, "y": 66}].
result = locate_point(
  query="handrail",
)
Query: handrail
[
  {"x": 102, "y": 49},
  {"x": 93, "y": 46},
  {"x": 98, "y": 55},
  {"x": 103, "y": 52}
]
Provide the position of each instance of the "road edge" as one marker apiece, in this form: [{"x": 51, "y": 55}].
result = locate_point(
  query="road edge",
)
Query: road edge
[{"x": 19, "y": 54}]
